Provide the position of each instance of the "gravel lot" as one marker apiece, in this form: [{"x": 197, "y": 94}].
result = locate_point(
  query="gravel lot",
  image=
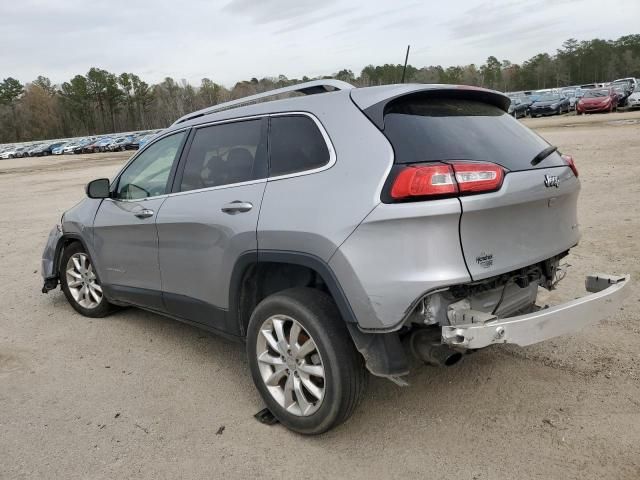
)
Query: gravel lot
[{"x": 136, "y": 395}]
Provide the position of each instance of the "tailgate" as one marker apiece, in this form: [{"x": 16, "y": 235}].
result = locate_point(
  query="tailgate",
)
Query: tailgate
[
  {"x": 523, "y": 223},
  {"x": 530, "y": 218}
]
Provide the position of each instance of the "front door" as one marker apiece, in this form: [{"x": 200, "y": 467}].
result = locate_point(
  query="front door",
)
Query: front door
[
  {"x": 125, "y": 233},
  {"x": 211, "y": 219}
]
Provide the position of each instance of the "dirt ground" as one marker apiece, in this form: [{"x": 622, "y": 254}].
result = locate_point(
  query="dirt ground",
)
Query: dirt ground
[{"x": 139, "y": 396}]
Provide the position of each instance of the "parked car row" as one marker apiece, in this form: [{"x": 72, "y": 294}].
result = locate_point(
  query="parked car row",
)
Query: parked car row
[
  {"x": 589, "y": 98},
  {"x": 102, "y": 143}
]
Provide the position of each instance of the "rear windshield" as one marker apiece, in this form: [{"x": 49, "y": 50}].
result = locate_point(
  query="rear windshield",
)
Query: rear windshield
[
  {"x": 442, "y": 129},
  {"x": 596, "y": 93},
  {"x": 548, "y": 98}
]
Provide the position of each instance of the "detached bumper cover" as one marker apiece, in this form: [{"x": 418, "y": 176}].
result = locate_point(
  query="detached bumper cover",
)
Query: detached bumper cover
[
  {"x": 608, "y": 294},
  {"x": 48, "y": 272}
]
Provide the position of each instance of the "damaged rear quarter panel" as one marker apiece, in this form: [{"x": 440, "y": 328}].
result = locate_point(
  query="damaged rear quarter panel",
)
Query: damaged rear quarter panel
[{"x": 399, "y": 252}]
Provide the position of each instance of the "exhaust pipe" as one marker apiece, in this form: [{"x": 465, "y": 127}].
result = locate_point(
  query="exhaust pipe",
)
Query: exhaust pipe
[{"x": 427, "y": 346}]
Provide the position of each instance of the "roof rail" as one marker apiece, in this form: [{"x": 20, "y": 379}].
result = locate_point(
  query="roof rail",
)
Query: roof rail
[{"x": 307, "y": 88}]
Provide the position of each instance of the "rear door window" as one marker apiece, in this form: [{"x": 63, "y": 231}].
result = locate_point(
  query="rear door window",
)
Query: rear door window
[
  {"x": 423, "y": 129},
  {"x": 295, "y": 145},
  {"x": 225, "y": 154}
]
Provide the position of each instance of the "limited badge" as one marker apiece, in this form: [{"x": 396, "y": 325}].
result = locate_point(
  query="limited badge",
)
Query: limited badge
[{"x": 485, "y": 260}]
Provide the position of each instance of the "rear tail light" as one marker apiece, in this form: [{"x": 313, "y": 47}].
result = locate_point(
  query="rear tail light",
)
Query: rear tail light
[
  {"x": 571, "y": 163},
  {"x": 424, "y": 181},
  {"x": 478, "y": 177},
  {"x": 446, "y": 180}
]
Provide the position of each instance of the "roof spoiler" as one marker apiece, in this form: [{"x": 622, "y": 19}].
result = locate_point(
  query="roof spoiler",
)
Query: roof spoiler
[{"x": 375, "y": 109}]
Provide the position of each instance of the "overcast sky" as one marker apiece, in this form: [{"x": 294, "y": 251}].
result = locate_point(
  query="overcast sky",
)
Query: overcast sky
[{"x": 231, "y": 40}]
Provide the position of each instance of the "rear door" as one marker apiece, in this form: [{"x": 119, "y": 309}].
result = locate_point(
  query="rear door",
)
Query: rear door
[
  {"x": 210, "y": 219},
  {"x": 532, "y": 217}
]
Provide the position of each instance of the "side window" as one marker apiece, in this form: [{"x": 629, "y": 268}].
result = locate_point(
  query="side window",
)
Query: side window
[
  {"x": 295, "y": 145},
  {"x": 148, "y": 174},
  {"x": 225, "y": 154}
]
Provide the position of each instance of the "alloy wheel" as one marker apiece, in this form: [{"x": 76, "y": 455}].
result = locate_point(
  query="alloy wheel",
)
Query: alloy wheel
[
  {"x": 290, "y": 365},
  {"x": 82, "y": 281}
]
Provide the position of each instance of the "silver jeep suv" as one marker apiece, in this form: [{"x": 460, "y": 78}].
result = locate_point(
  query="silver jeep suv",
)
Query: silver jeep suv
[{"x": 336, "y": 231}]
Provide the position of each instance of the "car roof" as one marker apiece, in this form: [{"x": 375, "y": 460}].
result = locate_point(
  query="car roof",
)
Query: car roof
[{"x": 364, "y": 98}]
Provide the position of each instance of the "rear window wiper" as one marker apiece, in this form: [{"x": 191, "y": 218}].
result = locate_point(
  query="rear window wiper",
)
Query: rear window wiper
[{"x": 543, "y": 154}]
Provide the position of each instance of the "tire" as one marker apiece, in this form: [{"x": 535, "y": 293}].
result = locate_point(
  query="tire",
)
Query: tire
[
  {"x": 83, "y": 304},
  {"x": 319, "y": 321}
]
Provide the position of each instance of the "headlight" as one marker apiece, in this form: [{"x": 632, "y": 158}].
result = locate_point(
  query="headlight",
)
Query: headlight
[{"x": 554, "y": 105}]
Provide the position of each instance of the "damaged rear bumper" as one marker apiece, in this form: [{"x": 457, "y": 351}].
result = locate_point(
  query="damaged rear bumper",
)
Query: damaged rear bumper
[{"x": 608, "y": 291}]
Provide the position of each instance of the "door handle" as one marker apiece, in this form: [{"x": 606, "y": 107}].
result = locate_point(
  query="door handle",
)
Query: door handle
[
  {"x": 236, "y": 206},
  {"x": 144, "y": 213}
]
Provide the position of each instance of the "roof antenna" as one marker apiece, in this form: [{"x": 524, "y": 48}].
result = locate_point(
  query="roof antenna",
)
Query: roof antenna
[{"x": 406, "y": 57}]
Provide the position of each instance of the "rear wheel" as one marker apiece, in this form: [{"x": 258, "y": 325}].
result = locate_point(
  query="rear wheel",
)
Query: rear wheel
[
  {"x": 303, "y": 361},
  {"x": 80, "y": 283}
]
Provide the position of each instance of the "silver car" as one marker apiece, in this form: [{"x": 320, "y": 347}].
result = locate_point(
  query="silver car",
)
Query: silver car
[{"x": 337, "y": 233}]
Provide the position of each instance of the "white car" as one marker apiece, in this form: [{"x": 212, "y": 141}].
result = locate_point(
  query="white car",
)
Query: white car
[
  {"x": 69, "y": 147},
  {"x": 629, "y": 80},
  {"x": 633, "y": 101},
  {"x": 15, "y": 152}
]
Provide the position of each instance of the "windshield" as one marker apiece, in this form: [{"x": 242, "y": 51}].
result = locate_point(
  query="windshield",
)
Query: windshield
[
  {"x": 596, "y": 93},
  {"x": 548, "y": 98}
]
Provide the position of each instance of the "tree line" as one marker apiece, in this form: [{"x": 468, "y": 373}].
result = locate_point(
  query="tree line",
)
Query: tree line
[{"x": 103, "y": 102}]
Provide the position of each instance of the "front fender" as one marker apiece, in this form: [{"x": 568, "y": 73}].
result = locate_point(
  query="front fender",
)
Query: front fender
[{"x": 77, "y": 223}]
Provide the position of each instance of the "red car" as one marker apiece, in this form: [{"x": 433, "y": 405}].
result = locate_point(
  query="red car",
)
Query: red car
[{"x": 598, "y": 100}]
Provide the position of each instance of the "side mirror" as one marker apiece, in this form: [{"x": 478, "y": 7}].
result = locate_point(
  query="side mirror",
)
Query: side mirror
[{"x": 98, "y": 188}]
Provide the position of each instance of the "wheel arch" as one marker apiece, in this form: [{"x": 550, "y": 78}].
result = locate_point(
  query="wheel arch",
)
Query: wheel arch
[
  {"x": 253, "y": 274},
  {"x": 64, "y": 241}
]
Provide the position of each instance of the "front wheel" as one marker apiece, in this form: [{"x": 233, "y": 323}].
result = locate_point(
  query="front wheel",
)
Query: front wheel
[
  {"x": 303, "y": 361},
  {"x": 80, "y": 284}
]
